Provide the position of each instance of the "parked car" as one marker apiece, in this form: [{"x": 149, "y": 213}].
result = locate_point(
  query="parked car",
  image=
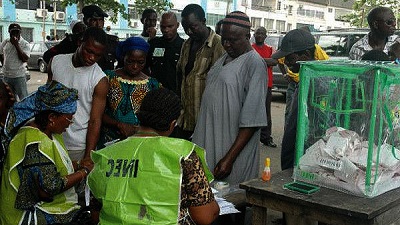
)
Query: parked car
[
  {"x": 337, "y": 43},
  {"x": 37, "y": 50},
  {"x": 279, "y": 83}
]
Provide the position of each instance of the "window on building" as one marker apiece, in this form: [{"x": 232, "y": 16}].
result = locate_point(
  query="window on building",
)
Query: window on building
[
  {"x": 255, "y": 22},
  {"x": 133, "y": 13},
  {"x": 310, "y": 13},
  {"x": 319, "y": 14},
  {"x": 27, "y": 4},
  {"x": 212, "y": 19},
  {"x": 264, "y": 5},
  {"x": 289, "y": 26},
  {"x": 27, "y": 34},
  {"x": 290, "y": 10},
  {"x": 280, "y": 25},
  {"x": 60, "y": 33},
  {"x": 279, "y": 5},
  {"x": 301, "y": 11},
  {"x": 50, "y": 6},
  {"x": 269, "y": 24},
  {"x": 330, "y": 10}
]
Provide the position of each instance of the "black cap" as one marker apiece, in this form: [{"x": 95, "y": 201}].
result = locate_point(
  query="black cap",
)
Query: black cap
[
  {"x": 294, "y": 41},
  {"x": 14, "y": 26},
  {"x": 91, "y": 11}
]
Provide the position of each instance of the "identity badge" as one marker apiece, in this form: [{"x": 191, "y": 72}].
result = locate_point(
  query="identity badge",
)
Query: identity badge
[{"x": 159, "y": 52}]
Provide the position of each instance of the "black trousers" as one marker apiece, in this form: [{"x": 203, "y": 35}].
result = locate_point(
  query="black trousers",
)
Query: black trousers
[
  {"x": 289, "y": 135},
  {"x": 266, "y": 131}
]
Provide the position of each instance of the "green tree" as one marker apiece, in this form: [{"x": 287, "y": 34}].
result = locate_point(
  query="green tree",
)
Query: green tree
[
  {"x": 113, "y": 7},
  {"x": 109, "y": 6},
  {"x": 158, "y": 5},
  {"x": 362, "y": 7}
]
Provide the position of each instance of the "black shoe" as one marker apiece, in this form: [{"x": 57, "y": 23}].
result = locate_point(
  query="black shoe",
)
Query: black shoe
[{"x": 269, "y": 143}]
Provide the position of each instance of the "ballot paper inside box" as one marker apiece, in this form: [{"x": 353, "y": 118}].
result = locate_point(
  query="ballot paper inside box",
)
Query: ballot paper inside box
[{"x": 348, "y": 130}]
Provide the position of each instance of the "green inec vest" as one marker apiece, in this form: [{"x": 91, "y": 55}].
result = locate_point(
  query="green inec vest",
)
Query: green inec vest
[
  {"x": 139, "y": 179},
  {"x": 62, "y": 203}
]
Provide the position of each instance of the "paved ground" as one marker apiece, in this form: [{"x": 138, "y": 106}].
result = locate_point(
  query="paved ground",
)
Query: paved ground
[{"x": 37, "y": 79}]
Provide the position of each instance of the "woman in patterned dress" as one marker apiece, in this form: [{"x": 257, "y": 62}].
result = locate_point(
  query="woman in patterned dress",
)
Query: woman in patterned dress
[
  {"x": 128, "y": 86},
  {"x": 38, "y": 175}
]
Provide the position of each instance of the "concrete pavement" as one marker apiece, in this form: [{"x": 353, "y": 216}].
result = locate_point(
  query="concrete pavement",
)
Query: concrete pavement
[{"x": 37, "y": 79}]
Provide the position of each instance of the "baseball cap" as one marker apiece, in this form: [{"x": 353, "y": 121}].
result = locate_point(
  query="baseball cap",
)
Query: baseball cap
[
  {"x": 91, "y": 11},
  {"x": 14, "y": 26},
  {"x": 294, "y": 41}
]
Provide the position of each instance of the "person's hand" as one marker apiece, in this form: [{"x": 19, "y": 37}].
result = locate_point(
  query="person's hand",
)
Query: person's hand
[
  {"x": 127, "y": 130},
  {"x": 152, "y": 31},
  {"x": 223, "y": 169},
  {"x": 14, "y": 40},
  {"x": 11, "y": 96},
  {"x": 87, "y": 163},
  {"x": 287, "y": 77}
]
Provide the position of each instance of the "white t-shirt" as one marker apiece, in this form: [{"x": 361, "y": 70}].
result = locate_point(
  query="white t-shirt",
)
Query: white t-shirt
[
  {"x": 14, "y": 67},
  {"x": 84, "y": 79}
]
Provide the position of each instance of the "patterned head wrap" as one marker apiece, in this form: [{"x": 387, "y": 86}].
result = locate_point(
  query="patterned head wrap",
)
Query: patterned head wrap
[
  {"x": 237, "y": 18},
  {"x": 132, "y": 43},
  {"x": 56, "y": 97},
  {"x": 52, "y": 96}
]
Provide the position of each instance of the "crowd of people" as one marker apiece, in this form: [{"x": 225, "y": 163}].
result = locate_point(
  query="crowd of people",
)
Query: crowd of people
[{"x": 147, "y": 123}]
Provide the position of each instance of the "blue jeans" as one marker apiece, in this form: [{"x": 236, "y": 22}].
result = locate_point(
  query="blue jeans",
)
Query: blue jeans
[{"x": 18, "y": 85}]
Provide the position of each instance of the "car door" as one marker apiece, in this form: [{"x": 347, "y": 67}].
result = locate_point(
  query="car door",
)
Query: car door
[{"x": 36, "y": 52}]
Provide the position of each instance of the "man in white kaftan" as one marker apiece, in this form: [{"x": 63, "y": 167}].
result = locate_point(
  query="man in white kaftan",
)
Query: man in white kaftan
[{"x": 232, "y": 107}]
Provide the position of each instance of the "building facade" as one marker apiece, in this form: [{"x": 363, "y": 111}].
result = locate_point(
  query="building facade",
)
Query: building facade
[{"x": 39, "y": 19}]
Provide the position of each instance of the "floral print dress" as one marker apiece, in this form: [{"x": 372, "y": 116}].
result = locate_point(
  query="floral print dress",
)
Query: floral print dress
[{"x": 123, "y": 102}]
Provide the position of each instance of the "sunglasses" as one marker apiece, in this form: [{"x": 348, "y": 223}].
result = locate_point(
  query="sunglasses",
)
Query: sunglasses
[
  {"x": 389, "y": 22},
  {"x": 69, "y": 120}
]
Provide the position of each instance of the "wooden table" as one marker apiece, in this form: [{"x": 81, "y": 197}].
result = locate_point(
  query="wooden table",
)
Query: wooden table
[{"x": 326, "y": 205}]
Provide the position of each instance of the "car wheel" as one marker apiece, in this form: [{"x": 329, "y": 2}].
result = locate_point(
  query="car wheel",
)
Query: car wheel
[{"x": 42, "y": 66}]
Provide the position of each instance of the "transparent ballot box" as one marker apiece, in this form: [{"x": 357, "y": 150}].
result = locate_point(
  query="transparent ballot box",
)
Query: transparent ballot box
[{"x": 348, "y": 130}]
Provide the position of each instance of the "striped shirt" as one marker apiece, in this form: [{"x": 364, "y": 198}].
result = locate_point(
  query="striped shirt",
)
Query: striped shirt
[
  {"x": 362, "y": 46},
  {"x": 194, "y": 83}
]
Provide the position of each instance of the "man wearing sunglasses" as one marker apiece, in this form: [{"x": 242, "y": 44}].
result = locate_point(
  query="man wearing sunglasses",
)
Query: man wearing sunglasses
[{"x": 382, "y": 24}]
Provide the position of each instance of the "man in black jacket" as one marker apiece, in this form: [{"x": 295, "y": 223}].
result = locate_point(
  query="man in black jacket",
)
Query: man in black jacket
[
  {"x": 164, "y": 53},
  {"x": 69, "y": 44},
  {"x": 93, "y": 16}
]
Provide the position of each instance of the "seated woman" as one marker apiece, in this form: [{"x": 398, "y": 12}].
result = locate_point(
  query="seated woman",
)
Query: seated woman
[
  {"x": 157, "y": 179},
  {"x": 7, "y": 100},
  {"x": 128, "y": 86},
  {"x": 38, "y": 175}
]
